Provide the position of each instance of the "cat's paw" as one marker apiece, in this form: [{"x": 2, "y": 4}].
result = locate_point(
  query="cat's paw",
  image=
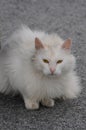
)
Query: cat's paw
[
  {"x": 63, "y": 98},
  {"x": 31, "y": 105},
  {"x": 48, "y": 102}
]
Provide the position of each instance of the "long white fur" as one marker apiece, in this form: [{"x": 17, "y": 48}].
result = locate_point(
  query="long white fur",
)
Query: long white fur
[{"x": 22, "y": 68}]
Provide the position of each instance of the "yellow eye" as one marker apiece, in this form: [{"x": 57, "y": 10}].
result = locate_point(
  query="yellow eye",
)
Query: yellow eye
[
  {"x": 45, "y": 61},
  {"x": 59, "y": 61}
]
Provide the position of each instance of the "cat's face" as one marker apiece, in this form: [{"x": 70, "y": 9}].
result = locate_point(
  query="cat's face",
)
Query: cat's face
[{"x": 52, "y": 60}]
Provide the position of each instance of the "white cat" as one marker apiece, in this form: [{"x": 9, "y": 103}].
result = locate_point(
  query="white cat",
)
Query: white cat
[{"x": 39, "y": 66}]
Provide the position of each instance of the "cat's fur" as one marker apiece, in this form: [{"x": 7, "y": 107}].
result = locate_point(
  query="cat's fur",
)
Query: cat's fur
[{"x": 22, "y": 68}]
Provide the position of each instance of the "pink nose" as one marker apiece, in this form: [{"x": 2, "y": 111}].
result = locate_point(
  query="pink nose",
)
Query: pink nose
[{"x": 52, "y": 70}]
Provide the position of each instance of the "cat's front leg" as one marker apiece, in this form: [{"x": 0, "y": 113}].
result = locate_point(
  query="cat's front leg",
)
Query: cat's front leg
[
  {"x": 31, "y": 104},
  {"x": 47, "y": 102},
  {"x": 72, "y": 87}
]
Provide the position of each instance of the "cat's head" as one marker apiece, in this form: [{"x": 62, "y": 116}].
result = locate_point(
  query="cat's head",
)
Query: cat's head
[{"x": 54, "y": 60}]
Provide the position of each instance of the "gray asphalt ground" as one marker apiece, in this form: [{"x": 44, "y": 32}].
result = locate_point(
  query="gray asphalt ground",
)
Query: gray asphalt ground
[{"x": 68, "y": 19}]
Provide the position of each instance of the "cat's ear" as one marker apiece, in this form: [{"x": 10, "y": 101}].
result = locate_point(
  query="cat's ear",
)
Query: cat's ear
[
  {"x": 38, "y": 44},
  {"x": 67, "y": 44}
]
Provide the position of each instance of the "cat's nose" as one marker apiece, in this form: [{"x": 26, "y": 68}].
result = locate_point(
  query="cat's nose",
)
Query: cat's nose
[{"x": 52, "y": 70}]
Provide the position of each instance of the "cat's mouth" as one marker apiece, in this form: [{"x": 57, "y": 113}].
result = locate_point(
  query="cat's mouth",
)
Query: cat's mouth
[{"x": 52, "y": 75}]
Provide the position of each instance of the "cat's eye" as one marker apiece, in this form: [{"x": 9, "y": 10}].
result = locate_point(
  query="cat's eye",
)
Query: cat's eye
[
  {"x": 59, "y": 61},
  {"x": 45, "y": 61}
]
